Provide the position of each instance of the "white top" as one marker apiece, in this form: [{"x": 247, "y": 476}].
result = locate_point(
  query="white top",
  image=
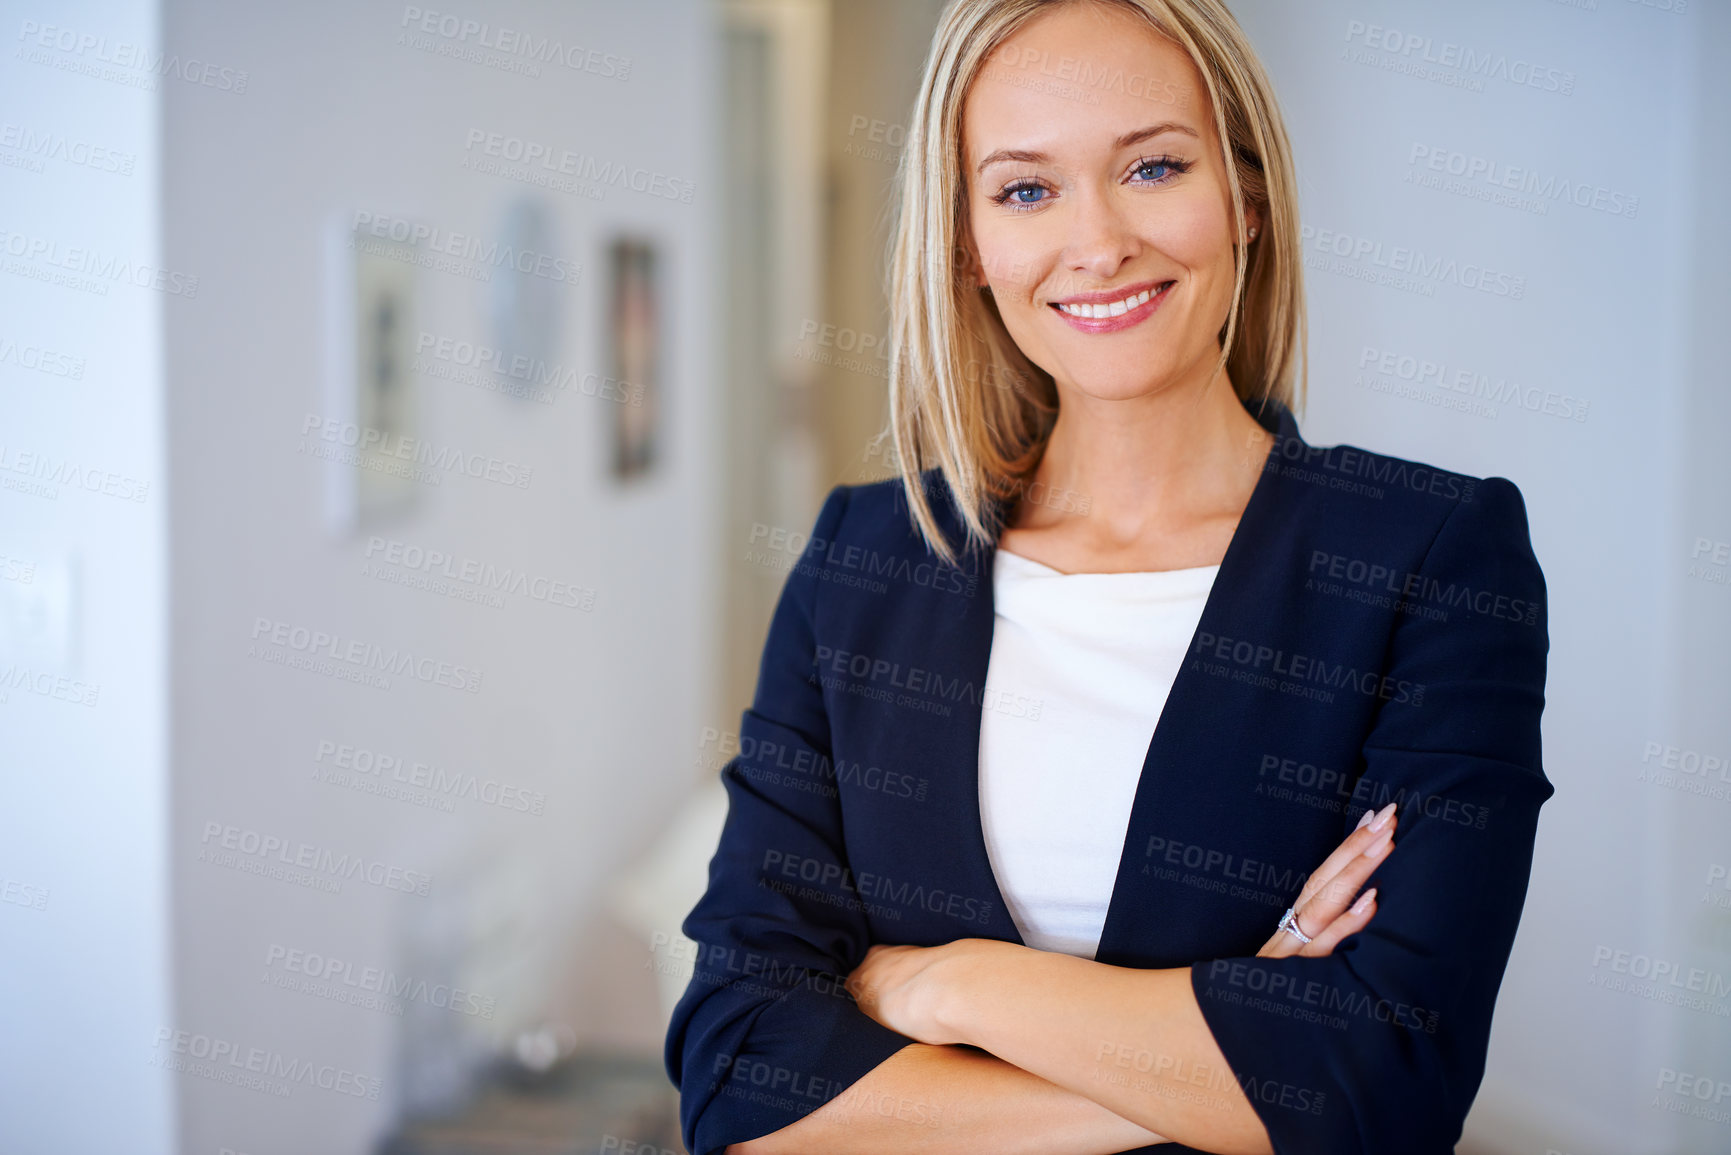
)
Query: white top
[{"x": 1080, "y": 668}]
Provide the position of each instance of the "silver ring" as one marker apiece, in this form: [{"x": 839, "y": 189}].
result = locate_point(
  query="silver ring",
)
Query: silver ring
[{"x": 1289, "y": 924}]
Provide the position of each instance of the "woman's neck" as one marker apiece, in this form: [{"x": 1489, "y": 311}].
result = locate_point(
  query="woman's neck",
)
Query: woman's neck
[{"x": 1162, "y": 480}]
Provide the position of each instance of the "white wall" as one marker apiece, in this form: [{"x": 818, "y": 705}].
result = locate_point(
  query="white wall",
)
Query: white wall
[
  {"x": 1622, "y": 312},
  {"x": 198, "y": 401},
  {"x": 596, "y": 710},
  {"x": 84, "y": 954}
]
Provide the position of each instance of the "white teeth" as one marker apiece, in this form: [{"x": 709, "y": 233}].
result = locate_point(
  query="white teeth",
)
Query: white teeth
[{"x": 1115, "y": 309}]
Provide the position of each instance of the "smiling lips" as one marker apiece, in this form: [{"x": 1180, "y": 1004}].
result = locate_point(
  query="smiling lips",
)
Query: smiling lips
[{"x": 1105, "y": 313}]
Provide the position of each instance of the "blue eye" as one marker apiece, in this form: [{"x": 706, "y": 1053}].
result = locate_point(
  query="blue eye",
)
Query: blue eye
[
  {"x": 1023, "y": 193},
  {"x": 1173, "y": 166},
  {"x": 1029, "y": 193}
]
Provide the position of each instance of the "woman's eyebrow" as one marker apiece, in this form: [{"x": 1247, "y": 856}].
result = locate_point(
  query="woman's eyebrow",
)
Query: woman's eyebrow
[{"x": 1135, "y": 137}]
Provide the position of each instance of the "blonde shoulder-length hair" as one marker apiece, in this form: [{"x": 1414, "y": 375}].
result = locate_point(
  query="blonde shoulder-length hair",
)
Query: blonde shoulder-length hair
[{"x": 963, "y": 397}]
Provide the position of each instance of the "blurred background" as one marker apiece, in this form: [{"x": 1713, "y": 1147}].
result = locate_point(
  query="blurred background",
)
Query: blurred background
[{"x": 409, "y": 415}]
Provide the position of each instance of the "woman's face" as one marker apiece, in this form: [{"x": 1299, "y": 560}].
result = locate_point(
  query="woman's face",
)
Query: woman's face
[{"x": 1093, "y": 177}]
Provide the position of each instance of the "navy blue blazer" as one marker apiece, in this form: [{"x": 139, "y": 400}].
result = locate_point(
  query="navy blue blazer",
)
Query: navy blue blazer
[{"x": 1376, "y": 633}]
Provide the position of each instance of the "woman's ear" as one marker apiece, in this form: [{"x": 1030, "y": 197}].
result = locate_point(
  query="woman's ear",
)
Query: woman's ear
[{"x": 1253, "y": 223}]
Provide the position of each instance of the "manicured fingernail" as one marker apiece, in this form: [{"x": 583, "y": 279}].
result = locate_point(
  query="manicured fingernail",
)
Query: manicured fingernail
[
  {"x": 1382, "y": 816},
  {"x": 1364, "y": 901},
  {"x": 1379, "y": 845},
  {"x": 1364, "y": 819}
]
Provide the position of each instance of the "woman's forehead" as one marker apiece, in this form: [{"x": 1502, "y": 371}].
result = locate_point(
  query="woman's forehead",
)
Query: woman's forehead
[
  {"x": 1081, "y": 73},
  {"x": 1024, "y": 112}
]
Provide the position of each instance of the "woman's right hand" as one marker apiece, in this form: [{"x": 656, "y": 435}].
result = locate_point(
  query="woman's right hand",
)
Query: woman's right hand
[{"x": 1326, "y": 910}]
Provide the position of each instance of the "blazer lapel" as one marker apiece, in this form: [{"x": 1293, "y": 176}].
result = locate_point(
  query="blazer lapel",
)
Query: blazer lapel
[
  {"x": 973, "y": 646},
  {"x": 1191, "y": 711},
  {"x": 1186, "y": 706}
]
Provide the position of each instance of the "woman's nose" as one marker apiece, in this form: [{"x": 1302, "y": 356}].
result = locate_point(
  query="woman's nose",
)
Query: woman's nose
[{"x": 1100, "y": 240}]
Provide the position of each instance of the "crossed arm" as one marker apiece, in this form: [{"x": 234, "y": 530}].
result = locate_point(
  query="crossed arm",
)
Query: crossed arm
[
  {"x": 1015, "y": 1050},
  {"x": 1066, "y": 1064}
]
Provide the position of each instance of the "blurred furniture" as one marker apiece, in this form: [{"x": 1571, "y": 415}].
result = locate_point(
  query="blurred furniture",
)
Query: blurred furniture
[{"x": 589, "y": 1105}]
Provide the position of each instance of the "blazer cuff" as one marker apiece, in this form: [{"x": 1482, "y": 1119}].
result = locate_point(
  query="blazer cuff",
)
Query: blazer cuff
[{"x": 803, "y": 1049}]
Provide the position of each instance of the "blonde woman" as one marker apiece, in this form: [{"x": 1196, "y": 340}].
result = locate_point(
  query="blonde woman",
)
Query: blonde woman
[{"x": 1063, "y": 816}]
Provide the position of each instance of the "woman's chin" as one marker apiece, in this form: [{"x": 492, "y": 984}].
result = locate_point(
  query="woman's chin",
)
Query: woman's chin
[{"x": 1122, "y": 383}]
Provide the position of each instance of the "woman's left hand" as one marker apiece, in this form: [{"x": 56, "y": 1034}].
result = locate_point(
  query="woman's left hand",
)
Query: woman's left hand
[
  {"x": 904, "y": 987},
  {"x": 1323, "y": 904}
]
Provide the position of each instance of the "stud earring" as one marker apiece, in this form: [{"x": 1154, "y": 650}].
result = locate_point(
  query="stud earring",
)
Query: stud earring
[{"x": 1253, "y": 232}]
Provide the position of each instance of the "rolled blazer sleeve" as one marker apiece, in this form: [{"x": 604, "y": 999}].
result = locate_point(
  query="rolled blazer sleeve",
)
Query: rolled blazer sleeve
[
  {"x": 765, "y": 1033},
  {"x": 1383, "y": 1043}
]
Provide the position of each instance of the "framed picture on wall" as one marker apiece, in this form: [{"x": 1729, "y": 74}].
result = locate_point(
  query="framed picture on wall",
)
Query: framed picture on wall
[
  {"x": 634, "y": 354},
  {"x": 370, "y": 398}
]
